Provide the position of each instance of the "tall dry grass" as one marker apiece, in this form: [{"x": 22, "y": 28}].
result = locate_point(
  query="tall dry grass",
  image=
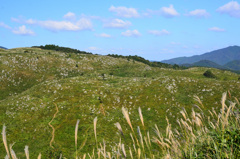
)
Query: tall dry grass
[
  {"x": 76, "y": 135},
  {"x": 198, "y": 136}
]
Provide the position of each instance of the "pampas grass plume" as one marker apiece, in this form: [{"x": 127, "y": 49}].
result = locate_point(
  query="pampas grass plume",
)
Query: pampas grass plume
[
  {"x": 125, "y": 113},
  {"x": 26, "y": 152},
  {"x": 141, "y": 116},
  {"x": 119, "y": 127},
  {"x": 5, "y": 140},
  {"x": 95, "y": 128},
  {"x": 13, "y": 155},
  {"x": 76, "y": 132},
  {"x": 39, "y": 156}
]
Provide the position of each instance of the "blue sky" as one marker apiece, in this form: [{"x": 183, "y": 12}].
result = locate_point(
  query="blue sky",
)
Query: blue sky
[{"x": 153, "y": 29}]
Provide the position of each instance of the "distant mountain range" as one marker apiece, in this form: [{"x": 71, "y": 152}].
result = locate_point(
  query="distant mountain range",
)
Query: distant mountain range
[
  {"x": 226, "y": 58},
  {"x": 2, "y": 47}
]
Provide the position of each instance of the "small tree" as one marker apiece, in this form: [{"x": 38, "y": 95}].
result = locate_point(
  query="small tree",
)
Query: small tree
[{"x": 209, "y": 74}]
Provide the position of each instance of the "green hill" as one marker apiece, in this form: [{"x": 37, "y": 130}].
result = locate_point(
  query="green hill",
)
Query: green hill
[
  {"x": 221, "y": 56},
  {"x": 207, "y": 63},
  {"x": 35, "y": 82},
  {"x": 233, "y": 65}
]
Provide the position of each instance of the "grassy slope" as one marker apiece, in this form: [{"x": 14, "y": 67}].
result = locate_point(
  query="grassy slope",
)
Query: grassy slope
[
  {"x": 234, "y": 65},
  {"x": 100, "y": 86}
]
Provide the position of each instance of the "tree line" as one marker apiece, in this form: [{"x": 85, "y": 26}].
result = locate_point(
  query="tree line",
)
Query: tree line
[
  {"x": 152, "y": 64},
  {"x": 62, "y": 49}
]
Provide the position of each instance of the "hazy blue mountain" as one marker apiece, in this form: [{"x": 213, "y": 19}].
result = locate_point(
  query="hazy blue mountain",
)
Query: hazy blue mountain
[
  {"x": 221, "y": 56},
  {"x": 233, "y": 65},
  {"x": 2, "y": 47}
]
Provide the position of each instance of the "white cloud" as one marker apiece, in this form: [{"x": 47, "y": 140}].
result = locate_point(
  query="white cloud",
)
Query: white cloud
[
  {"x": 169, "y": 12},
  {"x": 69, "y": 24},
  {"x": 196, "y": 47},
  {"x": 216, "y": 29},
  {"x": 175, "y": 43},
  {"x": 117, "y": 23},
  {"x": 31, "y": 21},
  {"x": 199, "y": 13},
  {"x": 159, "y": 33},
  {"x": 124, "y": 12},
  {"x": 70, "y": 16},
  {"x": 81, "y": 24},
  {"x": 104, "y": 35},
  {"x": 18, "y": 20},
  {"x": 4, "y": 25},
  {"x": 131, "y": 33},
  {"x": 93, "y": 48},
  {"x": 22, "y": 30},
  {"x": 59, "y": 25},
  {"x": 232, "y": 8}
]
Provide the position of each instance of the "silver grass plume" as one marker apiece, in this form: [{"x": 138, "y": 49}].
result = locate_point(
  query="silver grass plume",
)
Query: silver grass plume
[
  {"x": 26, "y": 152},
  {"x": 76, "y": 132},
  {"x": 5, "y": 140}
]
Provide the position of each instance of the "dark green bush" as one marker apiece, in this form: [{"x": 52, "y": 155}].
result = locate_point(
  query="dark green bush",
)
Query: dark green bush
[{"x": 209, "y": 74}]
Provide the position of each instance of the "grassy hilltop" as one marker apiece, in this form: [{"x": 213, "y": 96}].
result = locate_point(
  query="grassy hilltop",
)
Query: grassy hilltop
[{"x": 36, "y": 83}]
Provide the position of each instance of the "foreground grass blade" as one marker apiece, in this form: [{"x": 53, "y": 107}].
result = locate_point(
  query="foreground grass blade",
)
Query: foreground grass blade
[{"x": 5, "y": 140}]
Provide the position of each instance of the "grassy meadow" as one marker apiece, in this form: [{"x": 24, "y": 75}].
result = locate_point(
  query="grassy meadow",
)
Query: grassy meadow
[{"x": 87, "y": 98}]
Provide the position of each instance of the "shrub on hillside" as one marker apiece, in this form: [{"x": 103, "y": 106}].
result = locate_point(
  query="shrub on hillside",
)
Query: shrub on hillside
[{"x": 209, "y": 74}]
